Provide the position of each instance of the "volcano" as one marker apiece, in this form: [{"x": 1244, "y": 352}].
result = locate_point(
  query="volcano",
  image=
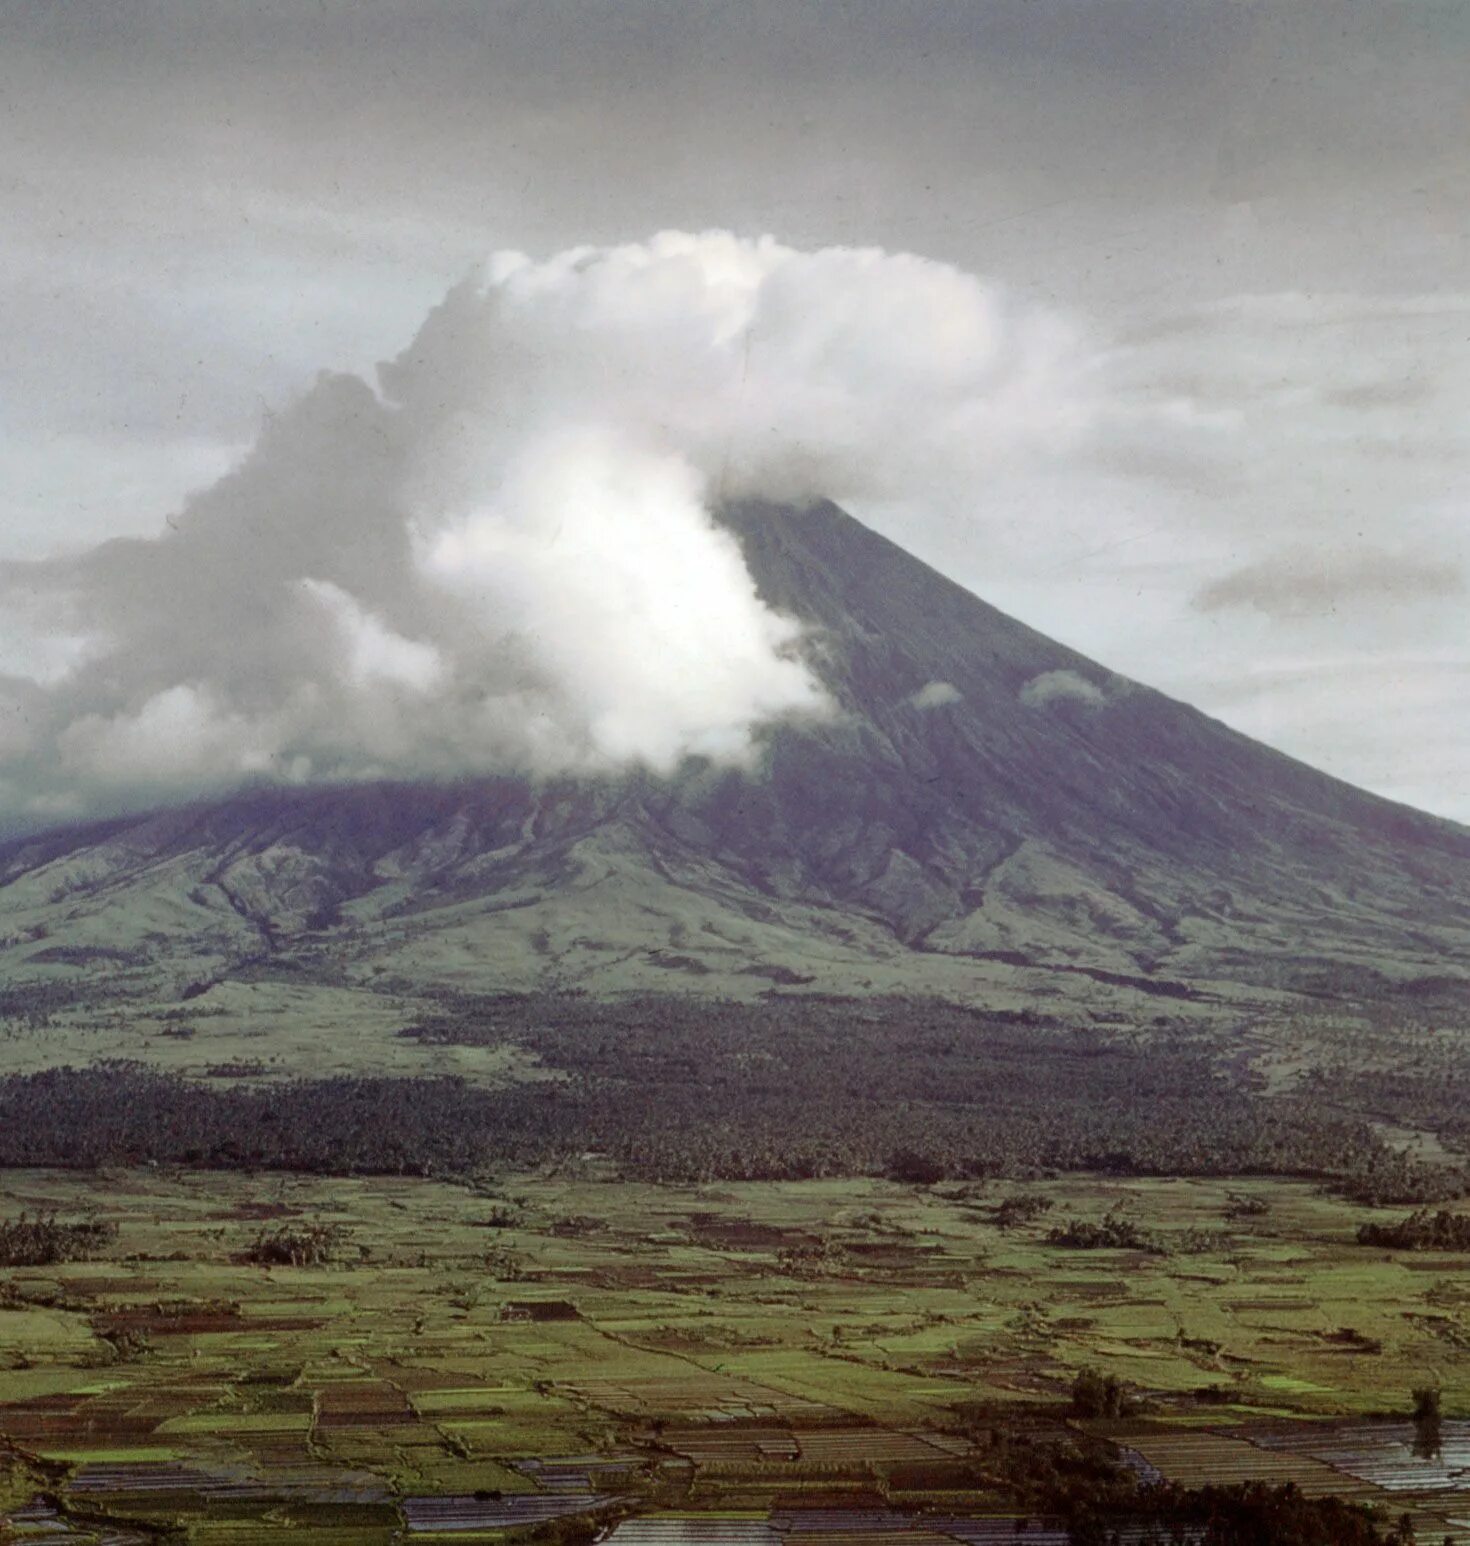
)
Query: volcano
[{"x": 988, "y": 816}]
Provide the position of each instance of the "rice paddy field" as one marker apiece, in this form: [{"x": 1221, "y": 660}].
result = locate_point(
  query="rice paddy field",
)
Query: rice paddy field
[{"x": 728, "y": 1365}]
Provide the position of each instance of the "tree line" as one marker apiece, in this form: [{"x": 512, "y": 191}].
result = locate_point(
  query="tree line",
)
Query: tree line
[{"x": 678, "y": 1089}]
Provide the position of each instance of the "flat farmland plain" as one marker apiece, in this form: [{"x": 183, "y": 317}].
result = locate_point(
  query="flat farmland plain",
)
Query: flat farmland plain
[{"x": 568, "y": 1347}]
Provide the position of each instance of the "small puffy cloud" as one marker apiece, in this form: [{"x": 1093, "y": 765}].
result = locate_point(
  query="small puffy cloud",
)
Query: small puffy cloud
[
  {"x": 935, "y": 695},
  {"x": 1053, "y": 687},
  {"x": 1305, "y": 582}
]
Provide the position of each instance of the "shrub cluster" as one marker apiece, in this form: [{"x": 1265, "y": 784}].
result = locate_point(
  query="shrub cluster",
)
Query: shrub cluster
[
  {"x": 42, "y": 1240},
  {"x": 1423, "y": 1230},
  {"x": 296, "y": 1245}
]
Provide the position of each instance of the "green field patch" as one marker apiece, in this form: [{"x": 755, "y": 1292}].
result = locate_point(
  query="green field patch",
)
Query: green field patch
[
  {"x": 435, "y": 1473},
  {"x": 137, "y": 1454},
  {"x": 1287, "y": 1382},
  {"x": 237, "y": 1423},
  {"x": 17, "y": 1385}
]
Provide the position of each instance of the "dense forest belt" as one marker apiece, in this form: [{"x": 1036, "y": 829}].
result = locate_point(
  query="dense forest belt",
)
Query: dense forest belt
[{"x": 671, "y": 1090}]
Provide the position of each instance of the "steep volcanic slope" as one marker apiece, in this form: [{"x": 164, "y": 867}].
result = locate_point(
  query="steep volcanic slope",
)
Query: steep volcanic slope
[
  {"x": 1041, "y": 803},
  {"x": 987, "y": 814}
]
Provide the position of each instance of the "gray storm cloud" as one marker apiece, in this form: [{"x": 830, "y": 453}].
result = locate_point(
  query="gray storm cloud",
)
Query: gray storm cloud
[{"x": 502, "y": 556}]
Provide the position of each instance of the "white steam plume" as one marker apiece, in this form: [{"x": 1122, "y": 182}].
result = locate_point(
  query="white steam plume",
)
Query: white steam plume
[{"x": 504, "y": 557}]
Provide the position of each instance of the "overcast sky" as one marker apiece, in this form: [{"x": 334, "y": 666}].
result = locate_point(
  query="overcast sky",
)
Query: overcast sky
[{"x": 1248, "y": 221}]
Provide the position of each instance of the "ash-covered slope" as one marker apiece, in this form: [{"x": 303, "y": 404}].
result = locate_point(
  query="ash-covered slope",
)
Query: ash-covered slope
[{"x": 989, "y": 815}]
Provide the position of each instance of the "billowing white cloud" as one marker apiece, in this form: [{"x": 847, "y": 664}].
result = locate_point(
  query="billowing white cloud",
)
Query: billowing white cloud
[
  {"x": 503, "y": 556},
  {"x": 600, "y": 556}
]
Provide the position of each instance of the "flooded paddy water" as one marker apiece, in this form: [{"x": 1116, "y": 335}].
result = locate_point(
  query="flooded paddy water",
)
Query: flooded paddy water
[{"x": 1382, "y": 1463}]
